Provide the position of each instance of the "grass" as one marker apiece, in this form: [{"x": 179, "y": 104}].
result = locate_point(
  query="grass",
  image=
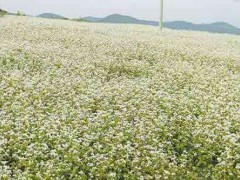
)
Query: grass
[{"x": 101, "y": 101}]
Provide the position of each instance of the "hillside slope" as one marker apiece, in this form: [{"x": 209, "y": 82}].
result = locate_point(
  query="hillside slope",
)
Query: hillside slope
[{"x": 100, "y": 101}]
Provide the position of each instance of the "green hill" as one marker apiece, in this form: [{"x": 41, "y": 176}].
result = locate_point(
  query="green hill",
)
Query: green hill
[
  {"x": 51, "y": 16},
  {"x": 116, "y": 18}
]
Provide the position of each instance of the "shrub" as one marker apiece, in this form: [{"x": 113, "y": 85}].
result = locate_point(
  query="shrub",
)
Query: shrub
[
  {"x": 20, "y": 13},
  {"x": 2, "y": 12}
]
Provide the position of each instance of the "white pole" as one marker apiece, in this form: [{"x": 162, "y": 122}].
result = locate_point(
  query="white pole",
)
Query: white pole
[{"x": 161, "y": 15}]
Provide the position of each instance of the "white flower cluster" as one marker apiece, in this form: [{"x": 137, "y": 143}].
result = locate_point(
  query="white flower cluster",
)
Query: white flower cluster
[{"x": 99, "y": 101}]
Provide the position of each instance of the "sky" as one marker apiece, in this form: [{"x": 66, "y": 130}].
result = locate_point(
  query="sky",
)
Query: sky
[{"x": 196, "y": 11}]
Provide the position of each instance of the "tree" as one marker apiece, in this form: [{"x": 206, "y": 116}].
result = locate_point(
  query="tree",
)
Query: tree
[
  {"x": 2, "y": 12},
  {"x": 20, "y": 13}
]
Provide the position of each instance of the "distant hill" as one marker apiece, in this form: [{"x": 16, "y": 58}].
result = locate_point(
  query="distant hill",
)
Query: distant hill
[
  {"x": 117, "y": 18},
  {"x": 218, "y": 27},
  {"x": 92, "y": 19},
  {"x": 51, "y": 16}
]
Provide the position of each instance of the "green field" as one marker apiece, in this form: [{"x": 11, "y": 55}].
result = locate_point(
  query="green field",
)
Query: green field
[{"x": 104, "y": 101}]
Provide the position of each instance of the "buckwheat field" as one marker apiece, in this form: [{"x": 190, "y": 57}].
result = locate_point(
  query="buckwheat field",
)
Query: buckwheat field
[{"x": 104, "y": 101}]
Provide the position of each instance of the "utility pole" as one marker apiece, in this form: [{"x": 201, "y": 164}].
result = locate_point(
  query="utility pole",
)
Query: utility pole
[{"x": 161, "y": 15}]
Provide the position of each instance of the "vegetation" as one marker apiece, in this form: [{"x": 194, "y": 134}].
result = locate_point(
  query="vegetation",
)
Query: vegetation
[
  {"x": 80, "y": 20},
  {"x": 19, "y": 13},
  {"x": 99, "y": 101},
  {"x": 2, "y": 12}
]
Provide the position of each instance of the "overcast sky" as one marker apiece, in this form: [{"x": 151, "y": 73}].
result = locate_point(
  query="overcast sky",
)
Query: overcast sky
[{"x": 198, "y": 11}]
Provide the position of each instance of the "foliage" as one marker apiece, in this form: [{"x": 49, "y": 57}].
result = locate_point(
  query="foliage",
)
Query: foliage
[
  {"x": 19, "y": 13},
  {"x": 80, "y": 20},
  {"x": 98, "y": 101},
  {"x": 2, "y": 12}
]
